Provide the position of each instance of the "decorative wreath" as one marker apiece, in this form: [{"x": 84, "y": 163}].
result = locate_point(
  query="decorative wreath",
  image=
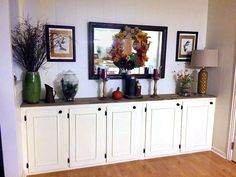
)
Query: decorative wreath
[{"x": 140, "y": 44}]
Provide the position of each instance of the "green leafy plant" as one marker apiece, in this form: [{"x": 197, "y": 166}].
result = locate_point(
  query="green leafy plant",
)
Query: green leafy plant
[
  {"x": 185, "y": 78},
  {"x": 29, "y": 45}
]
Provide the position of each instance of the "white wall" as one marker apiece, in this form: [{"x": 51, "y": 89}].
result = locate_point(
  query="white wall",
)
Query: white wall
[
  {"x": 177, "y": 15},
  {"x": 221, "y": 34},
  {"x": 8, "y": 121}
]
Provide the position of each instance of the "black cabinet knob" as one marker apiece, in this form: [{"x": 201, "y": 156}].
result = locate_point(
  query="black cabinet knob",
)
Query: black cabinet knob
[
  {"x": 134, "y": 107},
  {"x": 178, "y": 104},
  {"x": 99, "y": 109},
  {"x": 211, "y": 102},
  {"x": 60, "y": 111}
]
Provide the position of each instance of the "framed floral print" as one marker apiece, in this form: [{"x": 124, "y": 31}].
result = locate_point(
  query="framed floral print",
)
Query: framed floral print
[
  {"x": 186, "y": 42},
  {"x": 60, "y": 41}
]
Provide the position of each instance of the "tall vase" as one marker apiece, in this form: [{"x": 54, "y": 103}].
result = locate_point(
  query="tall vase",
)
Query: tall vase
[
  {"x": 31, "y": 87},
  {"x": 129, "y": 82}
]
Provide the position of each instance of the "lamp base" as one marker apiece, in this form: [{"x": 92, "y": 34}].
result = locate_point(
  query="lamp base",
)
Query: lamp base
[{"x": 202, "y": 82}]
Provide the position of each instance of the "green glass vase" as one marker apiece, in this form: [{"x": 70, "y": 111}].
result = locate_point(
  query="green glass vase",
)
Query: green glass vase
[{"x": 31, "y": 87}]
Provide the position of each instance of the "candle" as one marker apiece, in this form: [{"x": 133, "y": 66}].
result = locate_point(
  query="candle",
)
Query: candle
[
  {"x": 104, "y": 74},
  {"x": 146, "y": 70},
  {"x": 155, "y": 74}
]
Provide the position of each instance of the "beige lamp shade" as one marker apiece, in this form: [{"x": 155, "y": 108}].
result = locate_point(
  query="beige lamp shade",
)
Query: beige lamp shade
[{"x": 204, "y": 58}]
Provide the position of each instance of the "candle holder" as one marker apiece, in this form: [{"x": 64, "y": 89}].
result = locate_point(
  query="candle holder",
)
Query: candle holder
[
  {"x": 103, "y": 76},
  {"x": 154, "y": 89},
  {"x": 104, "y": 90},
  {"x": 155, "y": 78}
]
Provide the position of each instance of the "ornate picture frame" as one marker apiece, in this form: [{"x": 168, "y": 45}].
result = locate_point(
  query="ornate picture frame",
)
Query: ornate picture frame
[
  {"x": 186, "y": 42},
  {"x": 60, "y": 41}
]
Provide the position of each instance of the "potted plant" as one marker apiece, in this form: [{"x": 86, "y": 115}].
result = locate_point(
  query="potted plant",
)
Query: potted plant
[
  {"x": 29, "y": 52},
  {"x": 185, "y": 80}
]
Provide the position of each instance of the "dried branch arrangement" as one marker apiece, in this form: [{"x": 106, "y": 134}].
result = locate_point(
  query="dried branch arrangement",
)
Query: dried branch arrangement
[{"x": 29, "y": 45}]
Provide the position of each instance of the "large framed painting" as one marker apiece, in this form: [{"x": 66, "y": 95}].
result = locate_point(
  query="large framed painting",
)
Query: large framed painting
[
  {"x": 186, "y": 42},
  {"x": 60, "y": 41}
]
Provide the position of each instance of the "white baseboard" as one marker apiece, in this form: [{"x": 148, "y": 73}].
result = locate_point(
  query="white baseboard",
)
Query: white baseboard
[{"x": 219, "y": 152}]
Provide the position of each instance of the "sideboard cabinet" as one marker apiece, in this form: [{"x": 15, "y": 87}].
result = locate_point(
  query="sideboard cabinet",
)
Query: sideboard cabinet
[{"x": 60, "y": 137}]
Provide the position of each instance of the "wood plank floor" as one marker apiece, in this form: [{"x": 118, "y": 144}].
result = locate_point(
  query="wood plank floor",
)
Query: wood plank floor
[{"x": 205, "y": 164}]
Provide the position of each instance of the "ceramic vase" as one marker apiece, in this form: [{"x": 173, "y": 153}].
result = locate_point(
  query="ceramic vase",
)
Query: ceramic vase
[
  {"x": 31, "y": 87},
  {"x": 69, "y": 84}
]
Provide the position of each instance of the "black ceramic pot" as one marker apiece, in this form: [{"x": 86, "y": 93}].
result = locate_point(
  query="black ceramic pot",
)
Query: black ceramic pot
[{"x": 129, "y": 85}]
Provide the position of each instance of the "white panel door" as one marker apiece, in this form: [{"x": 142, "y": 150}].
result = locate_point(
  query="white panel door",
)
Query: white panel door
[
  {"x": 47, "y": 136},
  {"x": 197, "y": 124},
  {"x": 163, "y": 124},
  {"x": 121, "y": 132},
  {"x": 87, "y": 135}
]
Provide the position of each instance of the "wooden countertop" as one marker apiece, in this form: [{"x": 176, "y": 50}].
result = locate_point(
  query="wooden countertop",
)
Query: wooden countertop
[{"x": 95, "y": 100}]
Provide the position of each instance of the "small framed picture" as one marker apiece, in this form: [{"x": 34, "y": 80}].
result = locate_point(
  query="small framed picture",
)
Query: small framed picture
[
  {"x": 60, "y": 41},
  {"x": 185, "y": 44}
]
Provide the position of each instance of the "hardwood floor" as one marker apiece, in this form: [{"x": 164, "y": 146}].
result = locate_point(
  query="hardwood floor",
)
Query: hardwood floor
[{"x": 205, "y": 164}]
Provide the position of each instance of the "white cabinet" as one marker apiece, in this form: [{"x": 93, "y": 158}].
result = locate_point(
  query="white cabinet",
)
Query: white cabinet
[
  {"x": 179, "y": 126},
  {"x": 197, "y": 124},
  {"x": 47, "y": 138},
  {"x": 87, "y": 135},
  {"x": 122, "y": 131},
  {"x": 163, "y": 125},
  {"x": 71, "y": 136}
]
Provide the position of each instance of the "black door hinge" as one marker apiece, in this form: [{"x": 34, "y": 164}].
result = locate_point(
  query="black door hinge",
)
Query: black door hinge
[
  {"x": 232, "y": 145},
  {"x": 181, "y": 106},
  {"x": 25, "y": 118},
  {"x": 105, "y": 113},
  {"x": 179, "y": 146},
  {"x": 144, "y": 150},
  {"x": 145, "y": 109},
  {"x": 105, "y": 156},
  {"x": 27, "y": 165},
  {"x": 68, "y": 160},
  {"x": 68, "y": 115}
]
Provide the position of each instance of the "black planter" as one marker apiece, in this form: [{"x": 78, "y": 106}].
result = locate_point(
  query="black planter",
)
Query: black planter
[{"x": 129, "y": 83}]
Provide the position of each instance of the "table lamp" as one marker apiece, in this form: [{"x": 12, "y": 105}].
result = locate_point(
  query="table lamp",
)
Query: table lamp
[{"x": 204, "y": 59}]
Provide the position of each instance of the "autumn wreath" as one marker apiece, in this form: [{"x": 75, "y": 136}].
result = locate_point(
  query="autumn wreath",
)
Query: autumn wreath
[{"x": 140, "y": 44}]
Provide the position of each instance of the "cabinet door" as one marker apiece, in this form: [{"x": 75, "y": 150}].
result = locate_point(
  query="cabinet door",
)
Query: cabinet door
[
  {"x": 47, "y": 136},
  {"x": 121, "y": 132},
  {"x": 163, "y": 124},
  {"x": 197, "y": 125},
  {"x": 87, "y": 135}
]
